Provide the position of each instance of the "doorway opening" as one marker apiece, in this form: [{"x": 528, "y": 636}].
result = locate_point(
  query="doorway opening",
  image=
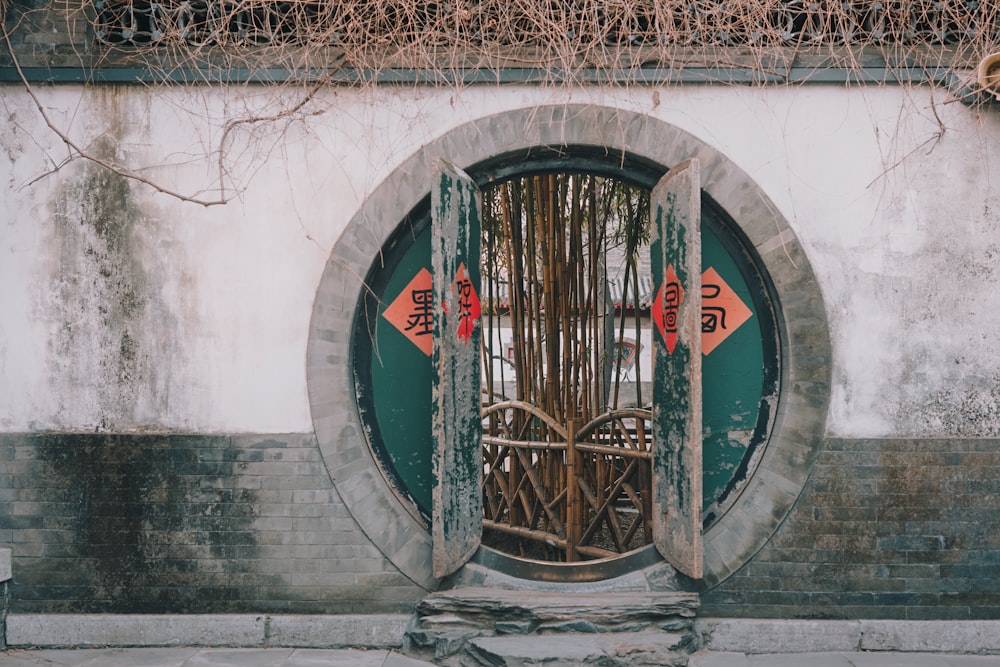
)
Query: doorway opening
[{"x": 567, "y": 383}]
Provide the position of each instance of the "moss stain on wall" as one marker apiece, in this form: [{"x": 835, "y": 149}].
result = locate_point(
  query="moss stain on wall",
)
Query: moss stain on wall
[
  {"x": 155, "y": 523},
  {"x": 101, "y": 293},
  {"x": 114, "y": 340}
]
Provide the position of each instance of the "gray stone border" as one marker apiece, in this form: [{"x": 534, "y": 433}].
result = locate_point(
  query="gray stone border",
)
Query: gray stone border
[
  {"x": 743, "y": 635},
  {"x": 805, "y": 346},
  {"x": 314, "y": 631},
  {"x": 756, "y": 635}
]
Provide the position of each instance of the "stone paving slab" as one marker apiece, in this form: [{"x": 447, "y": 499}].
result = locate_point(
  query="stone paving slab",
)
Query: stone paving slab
[
  {"x": 922, "y": 660},
  {"x": 709, "y": 659},
  {"x": 603, "y": 649},
  {"x": 841, "y": 659},
  {"x": 206, "y": 657},
  {"x": 288, "y": 657},
  {"x": 766, "y": 636},
  {"x": 970, "y": 636}
]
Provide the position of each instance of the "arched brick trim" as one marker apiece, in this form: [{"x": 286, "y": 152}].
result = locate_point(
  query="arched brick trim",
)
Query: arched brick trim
[{"x": 805, "y": 345}]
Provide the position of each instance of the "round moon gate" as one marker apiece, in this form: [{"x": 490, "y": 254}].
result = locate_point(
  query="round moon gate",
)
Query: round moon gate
[{"x": 753, "y": 465}]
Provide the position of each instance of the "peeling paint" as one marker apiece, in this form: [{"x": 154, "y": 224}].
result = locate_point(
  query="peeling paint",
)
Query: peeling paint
[
  {"x": 457, "y": 430},
  {"x": 675, "y": 244}
]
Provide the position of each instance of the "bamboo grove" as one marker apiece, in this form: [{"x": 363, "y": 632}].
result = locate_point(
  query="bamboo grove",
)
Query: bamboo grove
[{"x": 565, "y": 466}]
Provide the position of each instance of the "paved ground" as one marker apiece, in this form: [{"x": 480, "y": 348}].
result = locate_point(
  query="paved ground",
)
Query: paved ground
[
  {"x": 871, "y": 659},
  {"x": 289, "y": 657},
  {"x": 205, "y": 657}
]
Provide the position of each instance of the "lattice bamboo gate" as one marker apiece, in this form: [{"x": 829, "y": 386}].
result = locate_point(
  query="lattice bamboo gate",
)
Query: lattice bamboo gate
[
  {"x": 568, "y": 472},
  {"x": 573, "y": 490}
]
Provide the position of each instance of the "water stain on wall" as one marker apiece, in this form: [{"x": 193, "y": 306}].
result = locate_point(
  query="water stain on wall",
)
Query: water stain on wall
[
  {"x": 106, "y": 303},
  {"x": 153, "y": 523}
]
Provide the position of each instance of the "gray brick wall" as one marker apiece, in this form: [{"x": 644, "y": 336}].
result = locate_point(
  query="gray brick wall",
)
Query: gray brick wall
[
  {"x": 186, "y": 524},
  {"x": 209, "y": 524},
  {"x": 906, "y": 529}
]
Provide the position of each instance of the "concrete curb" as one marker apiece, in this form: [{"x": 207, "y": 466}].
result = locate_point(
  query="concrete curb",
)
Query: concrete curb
[
  {"x": 737, "y": 635},
  {"x": 241, "y": 630},
  {"x": 5, "y": 575},
  {"x": 744, "y": 635}
]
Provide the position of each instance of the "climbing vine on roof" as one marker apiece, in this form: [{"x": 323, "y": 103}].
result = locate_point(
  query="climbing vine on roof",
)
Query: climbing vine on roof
[{"x": 560, "y": 37}]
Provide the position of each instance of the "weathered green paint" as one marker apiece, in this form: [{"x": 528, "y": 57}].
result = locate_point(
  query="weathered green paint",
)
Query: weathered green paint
[
  {"x": 457, "y": 519},
  {"x": 739, "y": 376},
  {"x": 677, "y": 490},
  {"x": 739, "y": 385},
  {"x": 399, "y": 392}
]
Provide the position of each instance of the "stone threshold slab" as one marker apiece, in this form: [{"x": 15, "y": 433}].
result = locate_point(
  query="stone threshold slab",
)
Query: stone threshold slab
[
  {"x": 608, "y": 609},
  {"x": 629, "y": 649}
]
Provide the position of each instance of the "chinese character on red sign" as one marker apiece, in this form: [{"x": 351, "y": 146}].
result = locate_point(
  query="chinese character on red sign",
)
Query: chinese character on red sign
[
  {"x": 722, "y": 311},
  {"x": 666, "y": 306},
  {"x": 469, "y": 306},
  {"x": 413, "y": 311}
]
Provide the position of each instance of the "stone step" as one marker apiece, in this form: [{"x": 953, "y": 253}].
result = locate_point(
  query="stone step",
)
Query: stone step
[
  {"x": 625, "y": 649},
  {"x": 523, "y": 612},
  {"x": 498, "y": 626}
]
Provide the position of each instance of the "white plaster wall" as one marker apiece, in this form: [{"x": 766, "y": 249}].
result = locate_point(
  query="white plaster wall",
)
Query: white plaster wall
[{"x": 889, "y": 189}]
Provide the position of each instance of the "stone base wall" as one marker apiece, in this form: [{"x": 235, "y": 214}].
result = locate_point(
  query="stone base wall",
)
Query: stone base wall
[
  {"x": 900, "y": 529},
  {"x": 185, "y": 524},
  {"x": 97, "y": 523},
  {"x": 4, "y": 578}
]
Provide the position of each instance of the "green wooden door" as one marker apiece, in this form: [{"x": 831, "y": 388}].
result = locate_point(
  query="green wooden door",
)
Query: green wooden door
[
  {"x": 457, "y": 430},
  {"x": 675, "y": 258}
]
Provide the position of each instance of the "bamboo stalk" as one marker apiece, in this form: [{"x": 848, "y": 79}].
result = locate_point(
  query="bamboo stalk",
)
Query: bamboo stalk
[{"x": 574, "y": 509}]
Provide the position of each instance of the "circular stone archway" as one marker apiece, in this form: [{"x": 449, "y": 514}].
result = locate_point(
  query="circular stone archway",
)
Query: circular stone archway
[{"x": 787, "y": 458}]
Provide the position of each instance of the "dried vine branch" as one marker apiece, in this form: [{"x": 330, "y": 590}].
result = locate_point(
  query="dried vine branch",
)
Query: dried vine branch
[
  {"x": 563, "y": 39},
  {"x": 78, "y": 152},
  {"x": 318, "y": 43}
]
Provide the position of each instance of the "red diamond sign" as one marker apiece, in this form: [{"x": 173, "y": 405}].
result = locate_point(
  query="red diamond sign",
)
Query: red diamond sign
[
  {"x": 469, "y": 306},
  {"x": 666, "y": 306},
  {"x": 722, "y": 311},
  {"x": 412, "y": 312}
]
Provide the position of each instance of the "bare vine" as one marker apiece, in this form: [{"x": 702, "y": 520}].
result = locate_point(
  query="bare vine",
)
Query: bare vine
[
  {"x": 561, "y": 41},
  {"x": 322, "y": 43},
  {"x": 78, "y": 152}
]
